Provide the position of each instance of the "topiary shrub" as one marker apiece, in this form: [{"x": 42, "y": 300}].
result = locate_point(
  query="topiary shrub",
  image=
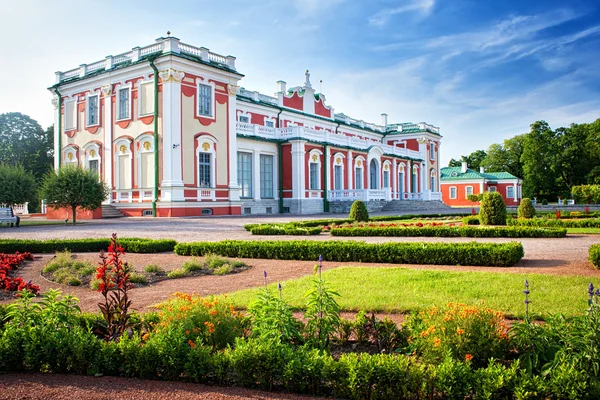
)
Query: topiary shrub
[
  {"x": 358, "y": 211},
  {"x": 493, "y": 209},
  {"x": 526, "y": 209},
  {"x": 544, "y": 202}
]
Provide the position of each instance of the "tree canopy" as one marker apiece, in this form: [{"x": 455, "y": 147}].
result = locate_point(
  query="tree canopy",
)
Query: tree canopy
[
  {"x": 17, "y": 186},
  {"x": 74, "y": 187},
  {"x": 473, "y": 160}
]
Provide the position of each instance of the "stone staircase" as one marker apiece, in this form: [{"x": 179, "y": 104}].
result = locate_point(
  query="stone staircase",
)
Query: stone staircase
[
  {"x": 109, "y": 211},
  {"x": 417, "y": 207}
]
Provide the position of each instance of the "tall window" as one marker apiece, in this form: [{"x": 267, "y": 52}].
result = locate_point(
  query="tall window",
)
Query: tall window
[
  {"x": 93, "y": 166},
  {"x": 432, "y": 183},
  {"x": 92, "y": 110},
  {"x": 358, "y": 177},
  {"x": 337, "y": 177},
  {"x": 510, "y": 192},
  {"x": 245, "y": 174},
  {"x": 204, "y": 100},
  {"x": 468, "y": 191},
  {"x": 123, "y": 104},
  {"x": 414, "y": 187},
  {"x": 266, "y": 176},
  {"x": 453, "y": 192},
  {"x": 492, "y": 189},
  {"x": 204, "y": 170},
  {"x": 314, "y": 176},
  {"x": 431, "y": 151},
  {"x": 386, "y": 179}
]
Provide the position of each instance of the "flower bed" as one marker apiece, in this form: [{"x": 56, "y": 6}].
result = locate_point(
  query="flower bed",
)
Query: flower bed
[
  {"x": 441, "y": 230},
  {"x": 473, "y": 253},
  {"x": 8, "y": 264},
  {"x": 132, "y": 245}
]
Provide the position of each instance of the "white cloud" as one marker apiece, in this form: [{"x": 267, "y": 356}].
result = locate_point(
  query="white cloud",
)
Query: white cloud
[{"x": 424, "y": 7}]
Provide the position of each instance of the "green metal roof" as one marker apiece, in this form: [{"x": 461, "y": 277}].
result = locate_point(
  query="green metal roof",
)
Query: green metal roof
[{"x": 456, "y": 174}]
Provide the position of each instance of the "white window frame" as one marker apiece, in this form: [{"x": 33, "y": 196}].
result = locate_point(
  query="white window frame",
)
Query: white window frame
[
  {"x": 87, "y": 158},
  {"x": 87, "y": 109},
  {"x": 118, "y": 143},
  {"x": 450, "y": 189},
  {"x": 140, "y": 97},
  {"x": 119, "y": 89},
  {"x": 467, "y": 194},
  {"x": 269, "y": 121},
  {"x": 492, "y": 189},
  {"x": 144, "y": 138},
  {"x": 510, "y": 196},
  {"x": 73, "y": 160},
  {"x": 313, "y": 160},
  {"x": 213, "y": 158},
  {"x": 247, "y": 119},
  {"x": 252, "y": 172},
  {"x": 211, "y": 85},
  {"x": 341, "y": 163},
  {"x": 272, "y": 186},
  {"x": 362, "y": 172}
]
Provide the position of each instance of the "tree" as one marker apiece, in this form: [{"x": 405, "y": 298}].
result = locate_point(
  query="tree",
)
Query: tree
[
  {"x": 506, "y": 157},
  {"x": 526, "y": 209},
  {"x": 492, "y": 210},
  {"x": 17, "y": 186},
  {"x": 473, "y": 160},
  {"x": 538, "y": 159},
  {"x": 358, "y": 211},
  {"x": 74, "y": 187},
  {"x": 23, "y": 141}
]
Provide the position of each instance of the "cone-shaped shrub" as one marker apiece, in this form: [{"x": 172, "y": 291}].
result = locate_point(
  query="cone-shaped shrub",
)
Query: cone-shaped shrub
[
  {"x": 358, "y": 211},
  {"x": 492, "y": 210},
  {"x": 526, "y": 209}
]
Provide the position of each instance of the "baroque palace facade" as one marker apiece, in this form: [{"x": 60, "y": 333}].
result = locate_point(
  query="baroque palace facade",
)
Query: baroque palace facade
[{"x": 169, "y": 129}]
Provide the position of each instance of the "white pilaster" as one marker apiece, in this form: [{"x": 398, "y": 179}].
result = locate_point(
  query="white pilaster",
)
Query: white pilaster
[
  {"x": 256, "y": 175},
  {"x": 298, "y": 166},
  {"x": 349, "y": 170},
  {"x": 234, "y": 189},
  {"x": 394, "y": 180},
  {"x": 328, "y": 168},
  {"x": 172, "y": 183},
  {"x": 515, "y": 194},
  {"x": 424, "y": 177},
  {"x": 107, "y": 154},
  {"x": 57, "y": 115},
  {"x": 409, "y": 176}
]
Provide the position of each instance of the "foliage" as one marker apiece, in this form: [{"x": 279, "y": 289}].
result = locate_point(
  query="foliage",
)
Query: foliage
[
  {"x": 114, "y": 276},
  {"x": 473, "y": 253},
  {"x": 74, "y": 187},
  {"x": 65, "y": 270},
  {"x": 473, "y": 160},
  {"x": 475, "y": 197},
  {"x": 526, "y": 209},
  {"x": 471, "y": 220},
  {"x": 594, "y": 252},
  {"x": 506, "y": 157},
  {"x": 272, "y": 319},
  {"x": 556, "y": 223},
  {"x": 131, "y": 245},
  {"x": 358, "y": 211},
  {"x": 492, "y": 210},
  {"x": 462, "y": 332},
  {"x": 17, "y": 186},
  {"x": 273, "y": 229},
  {"x": 8, "y": 264},
  {"x": 586, "y": 194},
  {"x": 322, "y": 313},
  {"x": 153, "y": 269},
  {"x": 24, "y": 142},
  {"x": 452, "y": 231}
]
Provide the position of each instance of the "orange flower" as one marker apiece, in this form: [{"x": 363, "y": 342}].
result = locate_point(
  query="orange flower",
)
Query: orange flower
[
  {"x": 468, "y": 357},
  {"x": 213, "y": 312},
  {"x": 459, "y": 331},
  {"x": 436, "y": 342},
  {"x": 187, "y": 331},
  {"x": 146, "y": 336},
  {"x": 191, "y": 343}
]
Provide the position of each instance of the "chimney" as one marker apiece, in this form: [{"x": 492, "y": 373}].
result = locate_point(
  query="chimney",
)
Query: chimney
[
  {"x": 384, "y": 120},
  {"x": 481, "y": 170},
  {"x": 281, "y": 86},
  {"x": 464, "y": 167}
]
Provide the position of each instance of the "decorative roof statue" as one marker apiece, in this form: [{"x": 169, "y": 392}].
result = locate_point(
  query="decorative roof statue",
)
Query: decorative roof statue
[{"x": 307, "y": 82}]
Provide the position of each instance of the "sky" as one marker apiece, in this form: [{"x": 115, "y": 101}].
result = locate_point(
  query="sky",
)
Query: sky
[{"x": 481, "y": 70}]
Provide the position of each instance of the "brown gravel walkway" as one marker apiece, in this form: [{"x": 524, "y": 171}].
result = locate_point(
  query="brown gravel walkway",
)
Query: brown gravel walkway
[{"x": 73, "y": 387}]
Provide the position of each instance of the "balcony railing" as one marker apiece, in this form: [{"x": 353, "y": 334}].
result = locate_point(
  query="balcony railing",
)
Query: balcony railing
[{"x": 321, "y": 136}]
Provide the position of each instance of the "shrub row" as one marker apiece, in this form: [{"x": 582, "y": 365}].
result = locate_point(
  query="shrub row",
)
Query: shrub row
[
  {"x": 594, "y": 253},
  {"x": 266, "y": 229},
  {"x": 131, "y": 245},
  {"x": 543, "y": 222},
  {"x": 471, "y": 220},
  {"x": 473, "y": 253},
  {"x": 454, "y": 231}
]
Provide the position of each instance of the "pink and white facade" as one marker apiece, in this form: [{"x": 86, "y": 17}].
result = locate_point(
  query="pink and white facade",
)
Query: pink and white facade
[{"x": 220, "y": 149}]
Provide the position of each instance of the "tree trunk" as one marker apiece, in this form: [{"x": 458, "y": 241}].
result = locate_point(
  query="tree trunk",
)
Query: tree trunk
[{"x": 74, "y": 208}]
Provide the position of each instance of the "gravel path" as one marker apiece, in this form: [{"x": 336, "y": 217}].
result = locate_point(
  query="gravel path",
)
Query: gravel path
[{"x": 73, "y": 387}]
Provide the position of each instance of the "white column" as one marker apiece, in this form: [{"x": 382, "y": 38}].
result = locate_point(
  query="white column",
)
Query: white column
[
  {"x": 298, "y": 166},
  {"x": 328, "y": 169},
  {"x": 57, "y": 115},
  {"x": 408, "y": 176},
  {"x": 349, "y": 170},
  {"x": 172, "y": 183},
  {"x": 515, "y": 194},
  {"x": 394, "y": 179},
  {"x": 234, "y": 189},
  {"x": 256, "y": 175},
  {"x": 481, "y": 188},
  {"x": 107, "y": 153},
  {"x": 423, "y": 177}
]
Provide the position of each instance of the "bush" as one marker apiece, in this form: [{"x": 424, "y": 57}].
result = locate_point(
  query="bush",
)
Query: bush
[
  {"x": 131, "y": 245},
  {"x": 64, "y": 269},
  {"x": 267, "y": 229},
  {"x": 475, "y": 197},
  {"x": 586, "y": 194},
  {"x": 594, "y": 252},
  {"x": 136, "y": 277},
  {"x": 558, "y": 223},
  {"x": 193, "y": 265},
  {"x": 471, "y": 220},
  {"x": 492, "y": 210},
  {"x": 452, "y": 231},
  {"x": 473, "y": 253},
  {"x": 358, "y": 211},
  {"x": 178, "y": 273},
  {"x": 153, "y": 269},
  {"x": 223, "y": 270},
  {"x": 526, "y": 209},
  {"x": 544, "y": 202}
]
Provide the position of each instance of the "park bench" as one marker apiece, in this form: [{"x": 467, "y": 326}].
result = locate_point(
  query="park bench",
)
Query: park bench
[{"x": 7, "y": 216}]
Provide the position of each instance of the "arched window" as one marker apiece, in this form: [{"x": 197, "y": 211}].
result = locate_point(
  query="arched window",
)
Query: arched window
[
  {"x": 338, "y": 172},
  {"x": 145, "y": 161},
  {"x": 386, "y": 174},
  {"x": 373, "y": 174},
  {"x": 314, "y": 170},
  {"x": 123, "y": 164},
  {"x": 358, "y": 172},
  {"x": 432, "y": 184},
  {"x": 71, "y": 155},
  {"x": 415, "y": 179},
  {"x": 92, "y": 157},
  {"x": 401, "y": 180},
  {"x": 205, "y": 156}
]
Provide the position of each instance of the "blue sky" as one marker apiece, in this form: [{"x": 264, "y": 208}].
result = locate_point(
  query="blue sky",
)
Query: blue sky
[{"x": 481, "y": 70}]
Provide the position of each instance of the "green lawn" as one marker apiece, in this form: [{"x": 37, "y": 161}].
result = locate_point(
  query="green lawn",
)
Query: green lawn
[
  {"x": 402, "y": 290},
  {"x": 589, "y": 231},
  {"x": 25, "y": 222}
]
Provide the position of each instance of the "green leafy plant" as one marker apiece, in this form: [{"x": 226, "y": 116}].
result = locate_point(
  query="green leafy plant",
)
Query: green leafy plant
[
  {"x": 64, "y": 269},
  {"x": 526, "y": 209},
  {"x": 213, "y": 261},
  {"x": 594, "y": 255},
  {"x": 192, "y": 265},
  {"x": 492, "y": 210},
  {"x": 358, "y": 211},
  {"x": 153, "y": 269},
  {"x": 223, "y": 270},
  {"x": 178, "y": 273}
]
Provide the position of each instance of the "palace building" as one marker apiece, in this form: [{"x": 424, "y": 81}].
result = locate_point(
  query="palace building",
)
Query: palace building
[{"x": 169, "y": 129}]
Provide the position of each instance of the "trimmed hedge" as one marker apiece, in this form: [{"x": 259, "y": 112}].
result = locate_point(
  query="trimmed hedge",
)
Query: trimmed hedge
[
  {"x": 454, "y": 231},
  {"x": 471, "y": 220},
  {"x": 284, "y": 230},
  {"x": 472, "y": 253},
  {"x": 131, "y": 245},
  {"x": 562, "y": 223},
  {"x": 594, "y": 252}
]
